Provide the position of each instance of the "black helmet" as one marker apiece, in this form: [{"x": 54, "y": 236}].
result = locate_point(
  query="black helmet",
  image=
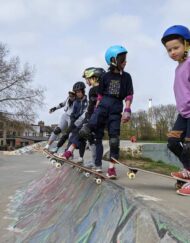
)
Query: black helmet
[
  {"x": 79, "y": 86},
  {"x": 93, "y": 72}
]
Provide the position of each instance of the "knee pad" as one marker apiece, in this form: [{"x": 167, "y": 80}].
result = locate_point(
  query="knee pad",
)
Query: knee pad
[
  {"x": 114, "y": 142},
  {"x": 175, "y": 146},
  {"x": 57, "y": 131}
]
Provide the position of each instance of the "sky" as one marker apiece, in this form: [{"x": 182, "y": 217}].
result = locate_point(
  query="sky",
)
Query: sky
[{"x": 60, "y": 38}]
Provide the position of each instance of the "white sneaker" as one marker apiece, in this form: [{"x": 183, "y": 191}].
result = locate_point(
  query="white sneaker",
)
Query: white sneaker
[
  {"x": 77, "y": 160},
  {"x": 46, "y": 147},
  {"x": 54, "y": 150},
  {"x": 89, "y": 164},
  {"x": 97, "y": 169}
]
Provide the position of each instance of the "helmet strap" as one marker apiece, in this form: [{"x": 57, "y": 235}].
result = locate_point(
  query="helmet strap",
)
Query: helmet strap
[{"x": 187, "y": 48}]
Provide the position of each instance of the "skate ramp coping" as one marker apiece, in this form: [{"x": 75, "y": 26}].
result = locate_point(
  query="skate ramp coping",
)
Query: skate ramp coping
[{"x": 65, "y": 206}]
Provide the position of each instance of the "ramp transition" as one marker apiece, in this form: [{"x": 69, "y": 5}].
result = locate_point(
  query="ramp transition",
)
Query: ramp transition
[{"x": 64, "y": 206}]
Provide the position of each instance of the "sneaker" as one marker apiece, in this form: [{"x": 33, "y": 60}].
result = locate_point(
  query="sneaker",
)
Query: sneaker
[
  {"x": 184, "y": 174},
  {"x": 67, "y": 154},
  {"x": 97, "y": 169},
  {"x": 46, "y": 147},
  {"x": 185, "y": 190},
  {"x": 89, "y": 164},
  {"x": 111, "y": 173},
  {"x": 54, "y": 150},
  {"x": 78, "y": 160}
]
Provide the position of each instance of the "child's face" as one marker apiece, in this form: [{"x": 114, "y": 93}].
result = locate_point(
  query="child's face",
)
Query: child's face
[
  {"x": 79, "y": 94},
  {"x": 93, "y": 81},
  {"x": 121, "y": 61},
  {"x": 88, "y": 81},
  {"x": 175, "y": 49}
]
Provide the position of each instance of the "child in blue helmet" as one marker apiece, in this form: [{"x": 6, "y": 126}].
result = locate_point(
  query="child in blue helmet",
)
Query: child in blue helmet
[
  {"x": 114, "y": 88},
  {"x": 176, "y": 40}
]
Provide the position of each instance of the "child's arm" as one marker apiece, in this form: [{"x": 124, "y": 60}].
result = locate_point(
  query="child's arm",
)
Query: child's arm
[
  {"x": 58, "y": 107},
  {"x": 99, "y": 99},
  {"x": 126, "y": 116}
]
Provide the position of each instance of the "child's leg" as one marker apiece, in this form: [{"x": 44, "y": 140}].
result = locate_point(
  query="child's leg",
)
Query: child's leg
[
  {"x": 180, "y": 148},
  {"x": 186, "y": 147},
  {"x": 99, "y": 152},
  {"x": 63, "y": 124},
  {"x": 114, "y": 141},
  {"x": 176, "y": 138},
  {"x": 82, "y": 147}
]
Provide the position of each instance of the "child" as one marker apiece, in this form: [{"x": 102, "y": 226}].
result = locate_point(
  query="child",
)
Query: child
[
  {"x": 115, "y": 86},
  {"x": 78, "y": 113},
  {"x": 176, "y": 40},
  {"x": 92, "y": 76},
  {"x": 65, "y": 118}
]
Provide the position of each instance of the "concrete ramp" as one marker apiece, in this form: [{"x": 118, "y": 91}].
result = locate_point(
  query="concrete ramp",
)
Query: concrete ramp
[{"x": 65, "y": 206}]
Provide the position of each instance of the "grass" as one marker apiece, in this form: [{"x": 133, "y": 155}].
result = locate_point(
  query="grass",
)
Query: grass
[{"x": 146, "y": 163}]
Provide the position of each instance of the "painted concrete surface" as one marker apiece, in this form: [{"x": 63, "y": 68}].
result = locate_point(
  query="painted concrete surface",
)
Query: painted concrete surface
[
  {"x": 62, "y": 205},
  {"x": 65, "y": 206}
]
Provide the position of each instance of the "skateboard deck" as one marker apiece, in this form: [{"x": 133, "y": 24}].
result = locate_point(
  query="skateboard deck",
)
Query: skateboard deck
[
  {"x": 58, "y": 162},
  {"x": 132, "y": 171}
]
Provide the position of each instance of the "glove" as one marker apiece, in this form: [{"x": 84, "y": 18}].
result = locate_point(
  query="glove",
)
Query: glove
[
  {"x": 85, "y": 131},
  {"x": 126, "y": 115},
  {"x": 52, "y": 110}
]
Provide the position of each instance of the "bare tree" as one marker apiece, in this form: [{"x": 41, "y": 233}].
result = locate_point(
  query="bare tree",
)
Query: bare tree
[{"x": 17, "y": 96}]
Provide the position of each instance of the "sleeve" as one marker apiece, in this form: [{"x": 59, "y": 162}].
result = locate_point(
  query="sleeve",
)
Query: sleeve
[
  {"x": 101, "y": 86},
  {"x": 62, "y": 104},
  {"x": 72, "y": 116},
  {"x": 129, "y": 91},
  {"x": 81, "y": 118}
]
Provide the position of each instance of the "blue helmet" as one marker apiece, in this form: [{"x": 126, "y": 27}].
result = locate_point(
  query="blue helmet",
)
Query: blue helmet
[
  {"x": 114, "y": 51},
  {"x": 176, "y": 30}
]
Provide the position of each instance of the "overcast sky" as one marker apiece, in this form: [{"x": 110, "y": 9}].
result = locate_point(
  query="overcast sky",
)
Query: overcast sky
[{"x": 63, "y": 37}]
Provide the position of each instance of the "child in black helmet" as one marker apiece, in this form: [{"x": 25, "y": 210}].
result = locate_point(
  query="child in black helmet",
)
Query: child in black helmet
[
  {"x": 92, "y": 76},
  {"x": 115, "y": 86},
  {"x": 176, "y": 40},
  {"x": 77, "y": 115}
]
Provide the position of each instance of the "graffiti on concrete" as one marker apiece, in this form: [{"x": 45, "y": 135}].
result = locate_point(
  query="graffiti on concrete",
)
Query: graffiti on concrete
[{"x": 64, "y": 206}]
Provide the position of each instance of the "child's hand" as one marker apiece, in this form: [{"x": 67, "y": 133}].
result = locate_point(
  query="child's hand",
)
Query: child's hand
[
  {"x": 126, "y": 116},
  {"x": 52, "y": 110}
]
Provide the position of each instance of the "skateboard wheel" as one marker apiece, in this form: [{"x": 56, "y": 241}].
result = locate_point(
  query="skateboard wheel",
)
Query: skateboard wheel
[
  {"x": 131, "y": 175},
  {"x": 53, "y": 161},
  {"x": 87, "y": 174},
  {"x": 98, "y": 181},
  {"x": 58, "y": 165}
]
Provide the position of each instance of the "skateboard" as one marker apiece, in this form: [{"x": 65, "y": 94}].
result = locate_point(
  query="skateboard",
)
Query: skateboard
[
  {"x": 132, "y": 171},
  {"x": 58, "y": 162}
]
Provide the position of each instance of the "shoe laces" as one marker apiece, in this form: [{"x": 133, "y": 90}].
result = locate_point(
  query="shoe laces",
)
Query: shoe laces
[
  {"x": 187, "y": 185},
  {"x": 185, "y": 173}
]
